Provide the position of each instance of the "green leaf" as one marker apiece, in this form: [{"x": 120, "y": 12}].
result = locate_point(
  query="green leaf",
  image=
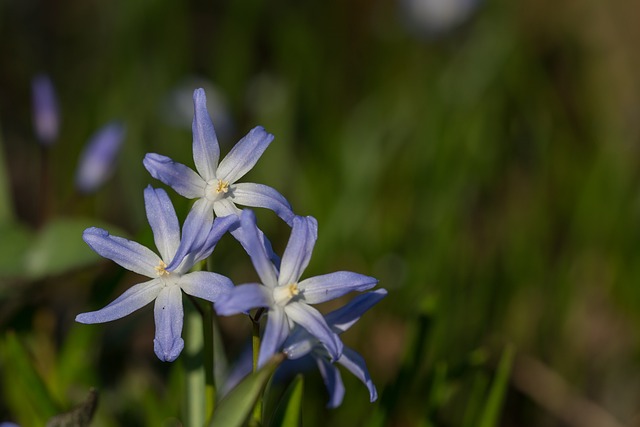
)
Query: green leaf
[
  {"x": 24, "y": 389},
  {"x": 14, "y": 244},
  {"x": 234, "y": 408},
  {"x": 6, "y": 201},
  {"x": 289, "y": 410},
  {"x": 59, "y": 247},
  {"x": 491, "y": 414}
]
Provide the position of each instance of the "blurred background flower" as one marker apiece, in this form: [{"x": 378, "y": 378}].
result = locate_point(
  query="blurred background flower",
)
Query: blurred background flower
[
  {"x": 97, "y": 160},
  {"x": 46, "y": 114}
]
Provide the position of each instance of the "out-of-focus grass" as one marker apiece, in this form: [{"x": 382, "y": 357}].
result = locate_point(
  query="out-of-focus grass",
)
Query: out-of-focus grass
[{"x": 487, "y": 177}]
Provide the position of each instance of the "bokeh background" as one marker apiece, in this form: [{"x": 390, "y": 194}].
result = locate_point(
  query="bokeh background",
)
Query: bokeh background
[{"x": 481, "y": 158}]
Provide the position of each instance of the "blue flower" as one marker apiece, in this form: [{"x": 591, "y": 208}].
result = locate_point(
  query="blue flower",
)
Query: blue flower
[
  {"x": 98, "y": 157},
  {"x": 166, "y": 285},
  {"x": 300, "y": 343},
  {"x": 214, "y": 185},
  {"x": 46, "y": 115},
  {"x": 286, "y": 297}
]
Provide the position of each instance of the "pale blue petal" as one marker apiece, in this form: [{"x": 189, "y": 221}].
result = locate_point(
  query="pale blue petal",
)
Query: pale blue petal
[
  {"x": 274, "y": 335},
  {"x": 130, "y": 255},
  {"x": 98, "y": 158},
  {"x": 220, "y": 226},
  {"x": 194, "y": 233},
  {"x": 299, "y": 249},
  {"x": 134, "y": 298},
  {"x": 315, "y": 290},
  {"x": 333, "y": 381},
  {"x": 206, "y": 151},
  {"x": 181, "y": 178},
  {"x": 225, "y": 207},
  {"x": 205, "y": 285},
  {"x": 243, "y": 298},
  {"x": 343, "y": 318},
  {"x": 250, "y": 238},
  {"x": 311, "y": 319},
  {"x": 168, "y": 314},
  {"x": 262, "y": 196},
  {"x": 163, "y": 220},
  {"x": 352, "y": 360},
  {"x": 299, "y": 343},
  {"x": 244, "y": 155}
]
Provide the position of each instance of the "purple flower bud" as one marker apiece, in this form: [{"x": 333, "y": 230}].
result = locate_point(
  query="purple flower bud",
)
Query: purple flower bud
[
  {"x": 98, "y": 158},
  {"x": 46, "y": 115}
]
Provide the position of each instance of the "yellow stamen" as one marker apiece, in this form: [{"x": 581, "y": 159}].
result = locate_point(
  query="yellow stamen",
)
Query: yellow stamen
[
  {"x": 222, "y": 187},
  {"x": 283, "y": 294},
  {"x": 161, "y": 269}
]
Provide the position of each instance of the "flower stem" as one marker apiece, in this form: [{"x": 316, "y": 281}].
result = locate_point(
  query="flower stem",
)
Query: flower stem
[
  {"x": 256, "y": 420},
  {"x": 195, "y": 402}
]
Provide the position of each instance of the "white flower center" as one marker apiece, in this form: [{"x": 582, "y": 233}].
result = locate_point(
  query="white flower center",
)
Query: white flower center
[
  {"x": 283, "y": 294},
  {"x": 216, "y": 189}
]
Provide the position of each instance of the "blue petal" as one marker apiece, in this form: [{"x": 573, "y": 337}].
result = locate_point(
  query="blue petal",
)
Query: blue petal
[
  {"x": 194, "y": 233},
  {"x": 351, "y": 360},
  {"x": 250, "y": 238},
  {"x": 134, "y": 298},
  {"x": 299, "y": 343},
  {"x": 130, "y": 255},
  {"x": 315, "y": 290},
  {"x": 163, "y": 220},
  {"x": 218, "y": 229},
  {"x": 243, "y": 298},
  {"x": 310, "y": 319},
  {"x": 225, "y": 207},
  {"x": 333, "y": 381},
  {"x": 274, "y": 335},
  {"x": 244, "y": 155},
  {"x": 181, "y": 178},
  {"x": 299, "y": 249},
  {"x": 168, "y": 314},
  {"x": 343, "y": 318},
  {"x": 206, "y": 151},
  {"x": 98, "y": 158},
  {"x": 205, "y": 285},
  {"x": 262, "y": 196}
]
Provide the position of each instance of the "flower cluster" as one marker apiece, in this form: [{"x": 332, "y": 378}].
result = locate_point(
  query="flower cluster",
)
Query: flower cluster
[{"x": 293, "y": 325}]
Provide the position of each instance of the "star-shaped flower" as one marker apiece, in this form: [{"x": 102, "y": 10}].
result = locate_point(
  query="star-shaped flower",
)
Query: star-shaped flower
[
  {"x": 166, "y": 285},
  {"x": 300, "y": 343},
  {"x": 215, "y": 185},
  {"x": 282, "y": 293}
]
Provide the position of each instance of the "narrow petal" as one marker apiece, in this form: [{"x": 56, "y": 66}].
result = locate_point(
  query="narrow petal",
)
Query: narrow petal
[
  {"x": 250, "y": 238},
  {"x": 262, "y": 196},
  {"x": 299, "y": 343},
  {"x": 243, "y": 298},
  {"x": 333, "y": 381},
  {"x": 206, "y": 151},
  {"x": 274, "y": 335},
  {"x": 205, "y": 285},
  {"x": 310, "y": 319},
  {"x": 181, "y": 178},
  {"x": 343, "y": 318},
  {"x": 163, "y": 220},
  {"x": 244, "y": 155},
  {"x": 168, "y": 314},
  {"x": 218, "y": 229},
  {"x": 194, "y": 233},
  {"x": 299, "y": 249},
  {"x": 130, "y": 255},
  {"x": 315, "y": 290},
  {"x": 352, "y": 360},
  {"x": 134, "y": 298}
]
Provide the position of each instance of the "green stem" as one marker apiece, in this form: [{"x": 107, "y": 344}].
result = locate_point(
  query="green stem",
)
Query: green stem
[
  {"x": 195, "y": 403},
  {"x": 256, "y": 420}
]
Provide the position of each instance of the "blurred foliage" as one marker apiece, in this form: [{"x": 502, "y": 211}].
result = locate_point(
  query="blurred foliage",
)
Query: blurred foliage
[{"x": 487, "y": 175}]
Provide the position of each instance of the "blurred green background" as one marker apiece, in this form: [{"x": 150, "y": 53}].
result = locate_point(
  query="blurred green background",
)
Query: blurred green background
[{"x": 484, "y": 168}]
